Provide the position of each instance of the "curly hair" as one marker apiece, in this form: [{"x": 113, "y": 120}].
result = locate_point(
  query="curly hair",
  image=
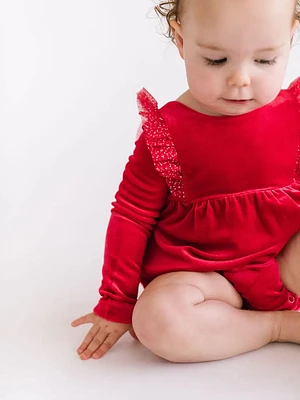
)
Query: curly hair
[{"x": 171, "y": 10}]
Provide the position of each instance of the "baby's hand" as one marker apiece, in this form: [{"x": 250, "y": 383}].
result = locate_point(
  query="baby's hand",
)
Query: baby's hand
[{"x": 102, "y": 336}]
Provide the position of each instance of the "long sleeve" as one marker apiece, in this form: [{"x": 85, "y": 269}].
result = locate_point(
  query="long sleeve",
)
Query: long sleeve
[{"x": 139, "y": 200}]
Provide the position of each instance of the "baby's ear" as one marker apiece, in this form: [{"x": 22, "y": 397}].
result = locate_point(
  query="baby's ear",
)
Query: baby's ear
[{"x": 177, "y": 33}]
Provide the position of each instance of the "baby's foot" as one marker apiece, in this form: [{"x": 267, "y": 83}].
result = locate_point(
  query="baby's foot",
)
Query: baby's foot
[
  {"x": 132, "y": 333},
  {"x": 289, "y": 326}
]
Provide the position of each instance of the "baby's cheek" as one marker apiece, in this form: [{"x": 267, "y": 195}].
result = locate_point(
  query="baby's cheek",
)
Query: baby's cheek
[
  {"x": 209, "y": 92},
  {"x": 271, "y": 83},
  {"x": 267, "y": 93}
]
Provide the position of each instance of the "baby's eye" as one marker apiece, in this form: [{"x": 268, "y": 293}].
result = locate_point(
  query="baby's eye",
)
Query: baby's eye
[
  {"x": 215, "y": 62},
  {"x": 267, "y": 62}
]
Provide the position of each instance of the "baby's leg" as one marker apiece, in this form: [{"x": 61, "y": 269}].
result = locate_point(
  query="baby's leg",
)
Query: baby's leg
[{"x": 195, "y": 317}]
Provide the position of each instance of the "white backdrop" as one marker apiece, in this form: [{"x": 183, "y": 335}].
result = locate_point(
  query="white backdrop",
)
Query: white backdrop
[{"x": 69, "y": 73}]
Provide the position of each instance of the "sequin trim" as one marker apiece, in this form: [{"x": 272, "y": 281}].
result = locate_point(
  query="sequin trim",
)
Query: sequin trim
[
  {"x": 295, "y": 89},
  {"x": 160, "y": 144}
]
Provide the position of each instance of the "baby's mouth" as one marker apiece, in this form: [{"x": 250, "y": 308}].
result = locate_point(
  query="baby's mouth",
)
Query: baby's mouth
[{"x": 238, "y": 101}]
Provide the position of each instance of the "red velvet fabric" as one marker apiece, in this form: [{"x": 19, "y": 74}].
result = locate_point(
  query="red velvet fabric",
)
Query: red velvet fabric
[{"x": 203, "y": 193}]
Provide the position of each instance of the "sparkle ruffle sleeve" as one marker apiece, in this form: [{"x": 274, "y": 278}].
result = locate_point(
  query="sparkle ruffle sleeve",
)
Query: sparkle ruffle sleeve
[
  {"x": 139, "y": 200},
  {"x": 160, "y": 144}
]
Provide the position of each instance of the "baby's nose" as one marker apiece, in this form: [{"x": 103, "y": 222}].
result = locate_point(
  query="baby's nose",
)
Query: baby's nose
[{"x": 239, "y": 78}]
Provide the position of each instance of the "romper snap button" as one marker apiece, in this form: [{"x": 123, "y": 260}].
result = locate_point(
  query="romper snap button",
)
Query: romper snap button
[{"x": 292, "y": 299}]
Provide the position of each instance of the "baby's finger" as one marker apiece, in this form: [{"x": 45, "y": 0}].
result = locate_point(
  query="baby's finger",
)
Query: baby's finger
[
  {"x": 94, "y": 345},
  {"x": 107, "y": 344},
  {"x": 86, "y": 319},
  {"x": 88, "y": 339}
]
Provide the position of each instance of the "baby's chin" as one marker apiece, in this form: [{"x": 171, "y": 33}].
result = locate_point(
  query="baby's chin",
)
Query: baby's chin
[
  {"x": 236, "y": 113},
  {"x": 222, "y": 108},
  {"x": 234, "y": 110}
]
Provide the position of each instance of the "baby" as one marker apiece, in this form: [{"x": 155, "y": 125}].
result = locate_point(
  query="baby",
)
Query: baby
[{"x": 208, "y": 212}]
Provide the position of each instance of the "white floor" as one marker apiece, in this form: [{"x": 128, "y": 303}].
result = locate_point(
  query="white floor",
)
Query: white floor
[
  {"x": 68, "y": 78},
  {"x": 39, "y": 361}
]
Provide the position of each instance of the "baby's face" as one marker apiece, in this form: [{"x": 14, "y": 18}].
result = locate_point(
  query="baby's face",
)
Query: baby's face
[{"x": 235, "y": 50}]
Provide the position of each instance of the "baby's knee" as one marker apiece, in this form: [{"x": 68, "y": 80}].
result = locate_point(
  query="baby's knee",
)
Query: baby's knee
[
  {"x": 156, "y": 310},
  {"x": 159, "y": 318}
]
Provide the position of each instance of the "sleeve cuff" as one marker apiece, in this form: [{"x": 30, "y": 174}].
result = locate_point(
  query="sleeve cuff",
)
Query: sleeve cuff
[{"x": 115, "y": 311}]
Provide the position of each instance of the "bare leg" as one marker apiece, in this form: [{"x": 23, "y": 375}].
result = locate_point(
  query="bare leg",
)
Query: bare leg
[{"x": 195, "y": 317}]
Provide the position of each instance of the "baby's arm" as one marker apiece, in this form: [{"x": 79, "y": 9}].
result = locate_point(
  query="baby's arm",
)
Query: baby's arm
[{"x": 139, "y": 201}]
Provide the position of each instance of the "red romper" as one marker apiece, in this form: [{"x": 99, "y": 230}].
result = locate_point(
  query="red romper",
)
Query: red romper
[{"x": 204, "y": 193}]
